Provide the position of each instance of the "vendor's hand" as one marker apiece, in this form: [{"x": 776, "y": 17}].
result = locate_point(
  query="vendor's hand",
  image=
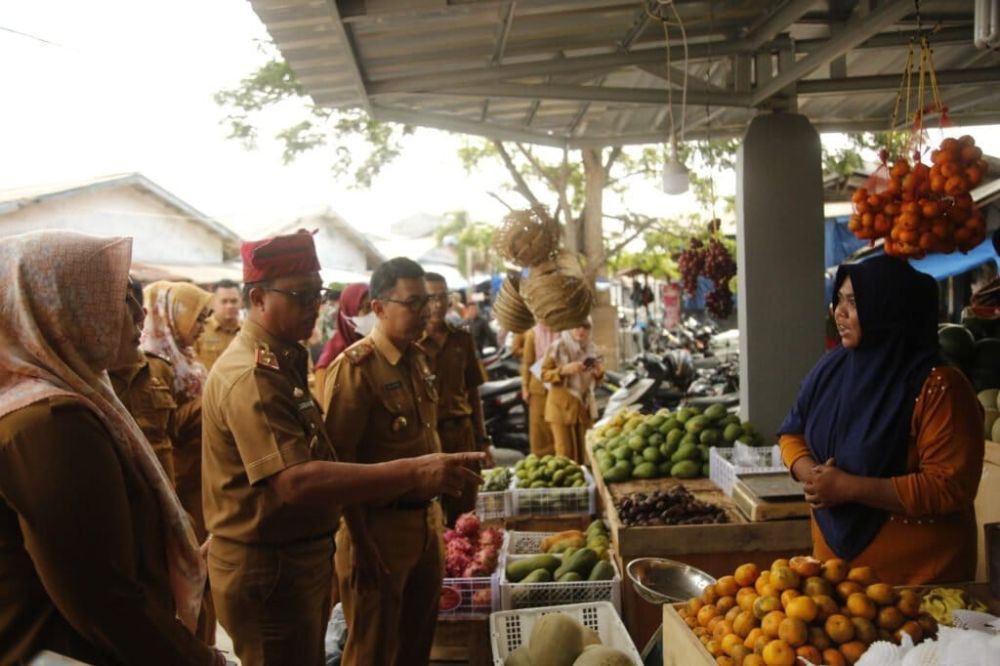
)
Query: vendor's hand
[
  {"x": 446, "y": 473},
  {"x": 828, "y": 486},
  {"x": 488, "y": 462},
  {"x": 220, "y": 658},
  {"x": 525, "y": 395},
  {"x": 368, "y": 569},
  {"x": 203, "y": 549},
  {"x": 598, "y": 368},
  {"x": 574, "y": 368}
]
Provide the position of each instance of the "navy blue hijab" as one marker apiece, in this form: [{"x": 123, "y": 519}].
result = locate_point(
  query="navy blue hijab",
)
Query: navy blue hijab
[{"x": 856, "y": 404}]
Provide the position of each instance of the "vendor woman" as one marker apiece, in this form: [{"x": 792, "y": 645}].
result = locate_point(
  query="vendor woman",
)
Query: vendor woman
[
  {"x": 571, "y": 368},
  {"x": 885, "y": 437}
]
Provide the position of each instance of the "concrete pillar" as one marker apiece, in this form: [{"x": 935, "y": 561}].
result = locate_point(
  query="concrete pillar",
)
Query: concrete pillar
[{"x": 779, "y": 195}]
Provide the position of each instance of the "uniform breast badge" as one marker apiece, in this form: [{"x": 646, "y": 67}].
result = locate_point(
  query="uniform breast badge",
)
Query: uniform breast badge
[
  {"x": 399, "y": 423},
  {"x": 266, "y": 358}
]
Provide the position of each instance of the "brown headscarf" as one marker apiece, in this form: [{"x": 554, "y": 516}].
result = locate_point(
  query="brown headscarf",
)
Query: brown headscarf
[
  {"x": 61, "y": 312},
  {"x": 172, "y": 311}
]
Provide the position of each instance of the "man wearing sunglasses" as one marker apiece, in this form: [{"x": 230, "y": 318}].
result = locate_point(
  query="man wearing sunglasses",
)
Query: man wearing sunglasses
[
  {"x": 381, "y": 405},
  {"x": 272, "y": 484}
]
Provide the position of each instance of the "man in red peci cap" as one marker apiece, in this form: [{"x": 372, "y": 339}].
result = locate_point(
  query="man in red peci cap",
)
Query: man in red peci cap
[{"x": 272, "y": 485}]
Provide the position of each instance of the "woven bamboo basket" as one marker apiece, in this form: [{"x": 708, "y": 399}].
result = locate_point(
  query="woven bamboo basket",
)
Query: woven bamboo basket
[
  {"x": 510, "y": 309},
  {"x": 528, "y": 237},
  {"x": 558, "y": 292}
]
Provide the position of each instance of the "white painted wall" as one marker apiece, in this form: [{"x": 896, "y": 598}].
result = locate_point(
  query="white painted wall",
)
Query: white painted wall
[{"x": 160, "y": 233}]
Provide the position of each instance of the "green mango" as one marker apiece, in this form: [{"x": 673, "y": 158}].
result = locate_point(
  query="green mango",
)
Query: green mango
[
  {"x": 644, "y": 430},
  {"x": 655, "y": 439},
  {"x": 615, "y": 474},
  {"x": 684, "y": 414},
  {"x": 622, "y": 453},
  {"x": 710, "y": 437},
  {"x": 664, "y": 468},
  {"x": 636, "y": 443},
  {"x": 690, "y": 438},
  {"x": 732, "y": 432},
  {"x": 637, "y": 459},
  {"x": 686, "y": 452},
  {"x": 696, "y": 424},
  {"x": 656, "y": 421},
  {"x": 705, "y": 470},
  {"x": 652, "y": 454},
  {"x": 671, "y": 424},
  {"x": 667, "y": 450},
  {"x": 646, "y": 470},
  {"x": 715, "y": 412},
  {"x": 674, "y": 437},
  {"x": 685, "y": 469}
]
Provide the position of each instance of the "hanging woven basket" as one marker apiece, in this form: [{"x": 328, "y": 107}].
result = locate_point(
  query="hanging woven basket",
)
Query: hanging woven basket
[
  {"x": 509, "y": 308},
  {"x": 527, "y": 237},
  {"x": 558, "y": 292}
]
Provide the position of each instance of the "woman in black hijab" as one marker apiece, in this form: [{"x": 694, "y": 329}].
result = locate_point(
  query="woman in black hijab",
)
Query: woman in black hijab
[{"x": 886, "y": 438}]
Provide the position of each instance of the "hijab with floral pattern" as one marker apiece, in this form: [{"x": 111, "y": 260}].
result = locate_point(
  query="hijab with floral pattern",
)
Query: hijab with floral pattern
[
  {"x": 61, "y": 312},
  {"x": 172, "y": 313}
]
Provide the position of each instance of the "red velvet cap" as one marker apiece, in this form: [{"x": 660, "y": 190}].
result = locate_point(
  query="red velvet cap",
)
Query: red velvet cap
[{"x": 292, "y": 254}]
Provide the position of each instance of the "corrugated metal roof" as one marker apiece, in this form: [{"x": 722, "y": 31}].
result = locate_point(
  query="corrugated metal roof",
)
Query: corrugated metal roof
[{"x": 593, "y": 72}]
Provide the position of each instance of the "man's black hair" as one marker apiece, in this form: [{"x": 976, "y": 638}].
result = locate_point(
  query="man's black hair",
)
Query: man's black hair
[
  {"x": 225, "y": 284},
  {"x": 435, "y": 277},
  {"x": 385, "y": 277}
]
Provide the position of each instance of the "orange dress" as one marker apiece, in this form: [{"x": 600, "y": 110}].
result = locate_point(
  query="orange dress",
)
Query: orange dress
[{"x": 934, "y": 539}]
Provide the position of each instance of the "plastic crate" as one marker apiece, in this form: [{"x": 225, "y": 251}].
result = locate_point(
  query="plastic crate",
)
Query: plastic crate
[
  {"x": 511, "y": 629},
  {"x": 553, "y": 501},
  {"x": 724, "y": 465},
  {"x": 519, "y": 545},
  {"x": 472, "y": 591},
  {"x": 493, "y": 505}
]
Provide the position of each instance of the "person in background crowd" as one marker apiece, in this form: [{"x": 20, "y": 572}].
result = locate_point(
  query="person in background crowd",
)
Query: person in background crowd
[
  {"x": 380, "y": 403},
  {"x": 517, "y": 345},
  {"x": 222, "y": 326},
  {"x": 536, "y": 342},
  {"x": 273, "y": 487},
  {"x": 456, "y": 311},
  {"x": 355, "y": 320},
  {"x": 98, "y": 560},
  {"x": 176, "y": 313},
  {"x": 145, "y": 385},
  {"x": 459, "y": 374},
  {"x": 328, "y": 319},
  {"x": 479, "y": 327},
  {"x": 885, "y": 437},
  {"x": 571, "y": 367}
]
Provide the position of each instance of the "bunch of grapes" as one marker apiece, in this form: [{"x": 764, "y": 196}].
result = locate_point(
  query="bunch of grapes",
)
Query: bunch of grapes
[
  {"x": 691, "y": 263},
  {"x": 720, "y": 302},
  {"x": 719, "y": 265}
]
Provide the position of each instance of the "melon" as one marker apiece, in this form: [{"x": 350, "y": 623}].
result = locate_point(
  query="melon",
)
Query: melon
[
  {"x": 957, "y": 343},
  {"x": 602, "y": 655},
  {"x": 988, "y": 398},
  {"x": 556, "y": 640},
  {"x": 996, "y": 431},
  {"x": 985, "y": 373},
  {"x": 989, "y": 422},
  {"x": 518, "y": 657}
]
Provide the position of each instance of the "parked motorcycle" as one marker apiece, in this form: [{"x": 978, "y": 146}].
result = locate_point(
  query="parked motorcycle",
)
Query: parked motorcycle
[{"x": 505, "y": 414}]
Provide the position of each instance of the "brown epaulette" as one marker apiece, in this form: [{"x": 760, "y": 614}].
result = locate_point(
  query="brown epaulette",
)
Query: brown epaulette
[
  {"x": 359, "y": 351},
  {"x": 265, "y": 358},
  {"x": 161, "y": 357}
]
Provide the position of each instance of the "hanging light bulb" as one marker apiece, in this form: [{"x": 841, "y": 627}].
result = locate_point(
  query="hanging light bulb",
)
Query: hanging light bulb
[{"x": 676, "y": 179}]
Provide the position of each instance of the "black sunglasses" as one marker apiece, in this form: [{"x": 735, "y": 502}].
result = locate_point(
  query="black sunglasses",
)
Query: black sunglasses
[{"x": 305, "y": 296}]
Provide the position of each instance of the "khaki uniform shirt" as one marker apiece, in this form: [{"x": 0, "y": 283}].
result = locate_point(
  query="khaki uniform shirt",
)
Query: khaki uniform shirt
[
  {"x": 528, "y": 359},
  {"x": 381, "y": 404},
  {"x": 213, "y": 341},
  {"x": 457, "y": 369},
  {"x": 258, "y": 418},
  {"x": 83, "y": 567},
  {"x": 147, "y": 391}
]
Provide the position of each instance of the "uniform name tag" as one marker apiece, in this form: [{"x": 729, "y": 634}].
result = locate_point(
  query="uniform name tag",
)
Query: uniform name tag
[
  {"x": 304, "y": 405},
  {"x": 392, "y": 386}
]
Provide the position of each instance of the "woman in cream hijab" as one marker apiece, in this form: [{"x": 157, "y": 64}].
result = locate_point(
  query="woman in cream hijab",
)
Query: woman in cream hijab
[
  {"x": 99, "y": 561},
  {"x": 571, "y": 368}
]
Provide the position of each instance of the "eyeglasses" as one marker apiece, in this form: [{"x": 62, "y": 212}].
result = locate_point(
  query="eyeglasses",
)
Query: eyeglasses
[
  {"x": 439, "y": 298},
  {"x": 414, "y": 304},
  {"x": 304, "y": 297}
]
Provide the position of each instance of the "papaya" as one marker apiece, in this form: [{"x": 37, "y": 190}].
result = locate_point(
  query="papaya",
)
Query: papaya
[
  {"x": 582, "y": 563},
  {"x": 538, "y": 576},
  {"x": 685, "y": 469},
  {"x": 569, "y": 577},
  {"x": 517, "y": 570},
  {"x": 602, "y": 571}
]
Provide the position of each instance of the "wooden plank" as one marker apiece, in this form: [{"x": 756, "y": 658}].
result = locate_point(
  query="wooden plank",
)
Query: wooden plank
[
  {"x": 680, "y": 646},
  {"x": 465, "y": 641},
  {"x": 757, "y": 509}
]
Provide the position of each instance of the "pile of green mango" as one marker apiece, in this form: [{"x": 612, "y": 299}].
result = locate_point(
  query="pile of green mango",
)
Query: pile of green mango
[
  {"x": 548, "y": 472},
  {"x": 675, "y": 444}
]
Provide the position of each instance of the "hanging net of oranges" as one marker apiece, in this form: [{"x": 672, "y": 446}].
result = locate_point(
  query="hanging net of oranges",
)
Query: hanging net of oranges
[{"x": 920, "y": 208}]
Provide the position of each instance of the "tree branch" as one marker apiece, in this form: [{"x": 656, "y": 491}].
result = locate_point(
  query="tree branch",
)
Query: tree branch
[
  {"x": 500, "y": 199},
  {"x": 537, "y": 166},
  {"x": 636, "y": 232},
  {"x": 615, "y": 153},
  {"x": 519, "y": 183}
]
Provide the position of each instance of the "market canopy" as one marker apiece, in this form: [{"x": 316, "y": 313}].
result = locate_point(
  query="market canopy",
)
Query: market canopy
[{"x": 586, "y": 73}]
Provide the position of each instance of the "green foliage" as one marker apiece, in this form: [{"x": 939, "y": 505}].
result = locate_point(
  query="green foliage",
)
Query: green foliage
[
  {"x": 274, "y": 84},
  {"x": 473, "y": 243}
]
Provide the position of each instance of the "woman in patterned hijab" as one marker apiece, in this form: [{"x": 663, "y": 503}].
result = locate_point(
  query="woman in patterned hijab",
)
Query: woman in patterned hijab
[
  {"x": 175, "y": 318},
  {"x": 99, "y": 560}
]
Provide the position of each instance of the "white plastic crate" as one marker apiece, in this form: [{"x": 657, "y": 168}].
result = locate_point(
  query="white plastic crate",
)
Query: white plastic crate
[
  {"x": 519, "y": 545},
  {"x": 493, "y": 505},
  {"x": 480, "y": 595},
  {"x": 725, "y": 464},
  {"x": 511, "y": 629},
  {"x": 553, "y": 501}
]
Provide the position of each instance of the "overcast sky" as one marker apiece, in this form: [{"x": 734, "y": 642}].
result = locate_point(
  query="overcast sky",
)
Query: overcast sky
[{"x": 108, "y": 86}]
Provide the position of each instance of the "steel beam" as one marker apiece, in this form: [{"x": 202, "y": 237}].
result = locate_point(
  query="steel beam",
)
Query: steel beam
[
  {"x": 507, "y": 21},
  {"x": 856, "y": 31},
  {"x": 654, "y": 96},
  {"x": 464, "y": 126},
  {"x": 890, "y": 82},
  {"x": 776, "y": 23},
  {"x": 353, "y": 65},
  {"x": 409, "y": 17}
]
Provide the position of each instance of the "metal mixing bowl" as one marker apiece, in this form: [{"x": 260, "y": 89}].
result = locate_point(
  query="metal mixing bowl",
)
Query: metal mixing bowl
[{"x": 662, "y": 581}]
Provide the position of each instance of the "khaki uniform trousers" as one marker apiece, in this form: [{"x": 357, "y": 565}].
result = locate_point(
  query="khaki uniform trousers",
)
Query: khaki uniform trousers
[
  {"x": 458, "y": 436},
  {"x": 570, "y": 439},
  {"x": 539, "y": 431},
  {"x": 273, "y": 601},
  {"x": 394, "y": 625}
]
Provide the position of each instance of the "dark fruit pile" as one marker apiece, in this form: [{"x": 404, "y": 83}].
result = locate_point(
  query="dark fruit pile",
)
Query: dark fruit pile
[
  {"x": 677, "y": 506},
  {"x": 720, "y": 269}
]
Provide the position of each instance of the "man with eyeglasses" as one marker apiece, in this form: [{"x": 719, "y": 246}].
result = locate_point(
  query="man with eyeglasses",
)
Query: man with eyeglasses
[
  {"x": 381, "y": 400},
  {"x": 459, "y": 374},
  {"x": 273, "y": 487}
]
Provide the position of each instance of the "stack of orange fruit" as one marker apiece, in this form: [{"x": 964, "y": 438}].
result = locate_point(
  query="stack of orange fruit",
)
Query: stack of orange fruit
[
  {"x": 925, "y": 208},
  {"x": 802, "y": 607}
]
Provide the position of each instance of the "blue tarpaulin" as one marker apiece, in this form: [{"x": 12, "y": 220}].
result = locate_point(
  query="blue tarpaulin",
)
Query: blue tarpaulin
[
  {"x": 943, "y": 266},
  {"x": 840, "y": 243}
]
